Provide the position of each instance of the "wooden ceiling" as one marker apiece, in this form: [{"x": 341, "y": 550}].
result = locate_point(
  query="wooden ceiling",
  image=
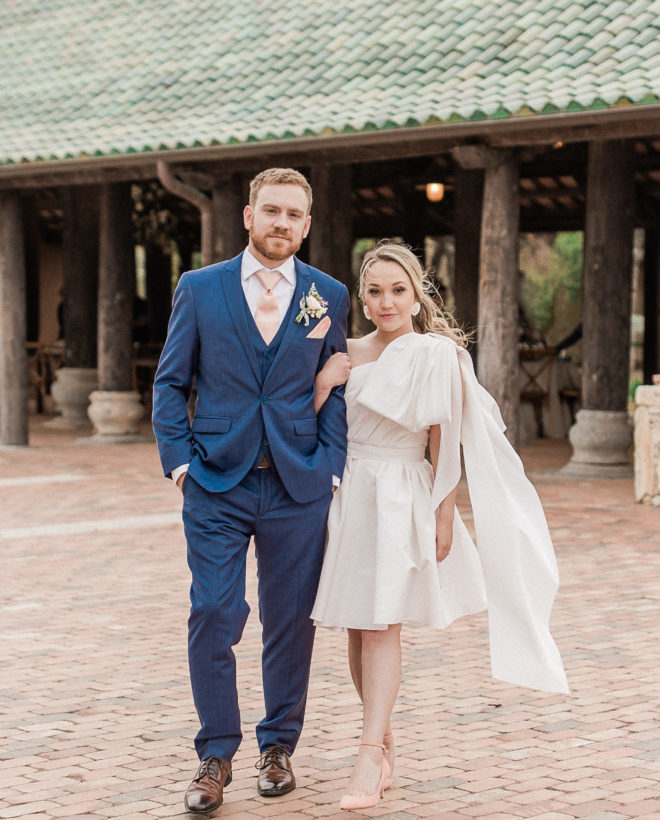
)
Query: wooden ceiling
[
  {"x": 387, "y": 195},
  {"x": 389, "y": 198}
]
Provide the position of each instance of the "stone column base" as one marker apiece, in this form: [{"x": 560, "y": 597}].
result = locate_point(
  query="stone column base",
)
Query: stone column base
[
  {"x": 647, "y": 444},
  {"x": 601, "y": 442},
  {"x": 116, "y": 416},
  {"x": 71, "y": 390}
]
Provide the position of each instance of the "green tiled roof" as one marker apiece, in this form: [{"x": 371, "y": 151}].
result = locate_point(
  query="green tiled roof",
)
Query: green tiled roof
[{"x": 102, "y": 77}]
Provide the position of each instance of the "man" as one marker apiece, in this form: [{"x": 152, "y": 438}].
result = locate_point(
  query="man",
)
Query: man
[{"x": 254, "y": 461}]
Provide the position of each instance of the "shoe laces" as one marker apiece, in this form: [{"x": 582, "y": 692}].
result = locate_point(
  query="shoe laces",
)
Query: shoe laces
[
  {"x": 209, "y": 768},
  {"x": 272, "y": 755}
]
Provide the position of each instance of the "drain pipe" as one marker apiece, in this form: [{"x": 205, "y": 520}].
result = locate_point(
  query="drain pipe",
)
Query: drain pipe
[{"x": 196, "y": 198}]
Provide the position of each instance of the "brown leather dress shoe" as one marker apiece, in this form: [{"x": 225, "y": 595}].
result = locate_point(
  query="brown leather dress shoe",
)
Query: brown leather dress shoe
[
  {"x": 275, "y": 773},
  {"x": 204, "y": 794}
]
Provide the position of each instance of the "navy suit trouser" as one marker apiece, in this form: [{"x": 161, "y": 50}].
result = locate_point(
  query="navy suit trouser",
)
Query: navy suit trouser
[{"x": 289, "y": 543}]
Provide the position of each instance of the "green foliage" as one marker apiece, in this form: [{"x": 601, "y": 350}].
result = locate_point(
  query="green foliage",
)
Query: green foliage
[
  {"x": 632, "y": 387},
  {"x": 551, "y": 291},
  {"x": 568, "y": 247}
]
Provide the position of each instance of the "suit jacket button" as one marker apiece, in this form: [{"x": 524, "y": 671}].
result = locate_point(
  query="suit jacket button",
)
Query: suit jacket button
[{"x": 265, "y": 399}]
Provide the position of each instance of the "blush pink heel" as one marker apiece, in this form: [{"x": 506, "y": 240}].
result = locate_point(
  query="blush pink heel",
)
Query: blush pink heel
[
  {"x": 389, "y": 737},
  {"x": 352, "y": 802}
]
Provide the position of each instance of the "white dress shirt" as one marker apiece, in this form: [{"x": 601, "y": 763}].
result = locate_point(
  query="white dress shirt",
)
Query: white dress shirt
[{"x": 252, "y": 288}]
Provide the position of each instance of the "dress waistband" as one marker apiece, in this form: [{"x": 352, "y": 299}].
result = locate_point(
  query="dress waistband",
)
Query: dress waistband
[{"x": 370, "y": 451}]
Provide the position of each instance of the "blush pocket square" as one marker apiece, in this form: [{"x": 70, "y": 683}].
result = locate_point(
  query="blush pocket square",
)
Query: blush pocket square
[{"x": 320, "y": 330}]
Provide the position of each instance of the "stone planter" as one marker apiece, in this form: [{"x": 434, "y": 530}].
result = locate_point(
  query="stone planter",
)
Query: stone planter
[
  {"x": 71, "y": 390},
  {"x": 601, "y": 442},
  {"x": 647, "y": 444},
  {"x": 115, "y": 413}
]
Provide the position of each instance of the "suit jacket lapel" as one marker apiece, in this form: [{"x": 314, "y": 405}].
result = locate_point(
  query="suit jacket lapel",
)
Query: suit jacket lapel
[
  {"x": 230, "y": 279},
  {"x": 294, "y": 329}
]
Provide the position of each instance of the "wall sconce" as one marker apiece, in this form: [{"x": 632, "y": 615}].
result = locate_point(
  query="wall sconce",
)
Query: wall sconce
[{"x": 435, "y": 191}]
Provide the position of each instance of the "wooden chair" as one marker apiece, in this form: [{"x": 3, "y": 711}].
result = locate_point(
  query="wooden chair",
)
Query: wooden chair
[
  {"x": 536, "y": 381},
  {"x": 572, "y": 396},
  {"x": 36, "y": 378}
]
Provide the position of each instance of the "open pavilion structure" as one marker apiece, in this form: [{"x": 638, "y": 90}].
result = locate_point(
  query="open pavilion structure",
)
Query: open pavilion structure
[{"x": 533, "y": 114}]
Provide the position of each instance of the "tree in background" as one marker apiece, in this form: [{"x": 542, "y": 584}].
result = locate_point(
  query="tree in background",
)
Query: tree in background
[{"x": 551, "y": 292}]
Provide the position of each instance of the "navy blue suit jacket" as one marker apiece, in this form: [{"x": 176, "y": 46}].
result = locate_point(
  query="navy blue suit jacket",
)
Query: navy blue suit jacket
[{"x": 208, "y": 339}]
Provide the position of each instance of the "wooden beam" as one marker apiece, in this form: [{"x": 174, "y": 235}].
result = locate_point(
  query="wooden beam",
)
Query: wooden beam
[
  {"x": 13, "y": 354},
  {"x": 498, "y": 290},
  {"x": 552, "y": 193},
  {"x": 473, "y": 157}
]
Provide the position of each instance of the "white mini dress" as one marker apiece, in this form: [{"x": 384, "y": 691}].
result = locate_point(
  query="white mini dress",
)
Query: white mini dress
[{"x": 379, "y": 566}]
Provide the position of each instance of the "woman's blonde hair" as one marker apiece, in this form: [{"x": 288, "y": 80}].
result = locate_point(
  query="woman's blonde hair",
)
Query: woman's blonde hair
[{"x": 432, "y": 318}]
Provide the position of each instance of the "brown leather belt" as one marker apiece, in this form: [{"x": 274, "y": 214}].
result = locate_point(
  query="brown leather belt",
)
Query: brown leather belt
[{"x": 263, "y": 464}]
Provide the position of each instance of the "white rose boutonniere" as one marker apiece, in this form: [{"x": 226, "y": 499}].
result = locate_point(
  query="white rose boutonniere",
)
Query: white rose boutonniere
[{"x": 313, "y": 306}]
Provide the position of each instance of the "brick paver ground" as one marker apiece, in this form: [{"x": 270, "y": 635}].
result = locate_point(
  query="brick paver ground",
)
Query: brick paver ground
[{"x": 97, "y": 719}]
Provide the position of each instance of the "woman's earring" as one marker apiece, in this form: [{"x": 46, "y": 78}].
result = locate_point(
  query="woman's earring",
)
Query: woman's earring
[
  {"x": 365, "y": 310},
  {"x": 415, "y": 309}
]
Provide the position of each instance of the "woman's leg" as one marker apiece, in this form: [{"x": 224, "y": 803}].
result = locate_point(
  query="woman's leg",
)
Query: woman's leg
[
  {"x": 378, "y": 675},
  {"x": 355, "y": 665},
  {"x": 355, "y": 658}
]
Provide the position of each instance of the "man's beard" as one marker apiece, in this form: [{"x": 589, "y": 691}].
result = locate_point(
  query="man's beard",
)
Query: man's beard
[{"x": 275, "y": 255}]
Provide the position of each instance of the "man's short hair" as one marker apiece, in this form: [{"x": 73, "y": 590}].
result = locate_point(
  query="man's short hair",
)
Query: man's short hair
[{"x": 280, "y": 176}]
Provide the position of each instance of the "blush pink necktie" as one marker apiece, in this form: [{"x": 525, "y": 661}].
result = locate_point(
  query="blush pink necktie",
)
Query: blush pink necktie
[{"x": 267, "y": 317}]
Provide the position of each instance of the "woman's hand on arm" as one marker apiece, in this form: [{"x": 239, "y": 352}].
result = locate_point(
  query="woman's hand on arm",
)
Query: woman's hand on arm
[
  {"x": 444, "y": 523},
  {"x": 444, "y": 527},
  {"x": 333, "y": 373}
]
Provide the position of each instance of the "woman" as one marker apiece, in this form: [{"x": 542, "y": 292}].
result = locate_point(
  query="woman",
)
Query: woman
[{"x": 397, "y": 549}]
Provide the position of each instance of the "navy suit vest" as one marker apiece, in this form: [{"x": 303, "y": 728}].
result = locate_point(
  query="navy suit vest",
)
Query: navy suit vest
[{"x": 265, "y": 355}]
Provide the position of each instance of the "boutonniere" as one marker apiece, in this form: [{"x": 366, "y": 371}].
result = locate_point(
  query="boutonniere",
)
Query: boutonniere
[{"x": 313, "y": 306}]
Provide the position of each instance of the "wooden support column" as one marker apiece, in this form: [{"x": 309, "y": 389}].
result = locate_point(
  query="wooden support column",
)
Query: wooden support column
[
  {"x": 330, "y": 237},
  {"x": 81, "y": 260},
  {"x": 498, "y": 286},
  {"x": 13, "y": 354},
  {"x": 467, "y": 233},
  {"x": 75, "y": 382},
  {"x": 32, "y": 234},
  {"x": 230, "y": 237},
  {"x": 601, "y": 436},
  {"x": 607, "y": 276},
  {"x": 158, "y": 268},
  {"x": 651, "y": 302},
  {"x": 115, "y": 409},
  {"x": 116, "y": 288}
]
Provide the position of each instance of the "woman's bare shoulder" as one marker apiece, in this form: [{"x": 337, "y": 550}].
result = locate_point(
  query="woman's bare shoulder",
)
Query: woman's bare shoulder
[
  {"x": 355, "y": 344},
  {"x": 360, "y": 350}
]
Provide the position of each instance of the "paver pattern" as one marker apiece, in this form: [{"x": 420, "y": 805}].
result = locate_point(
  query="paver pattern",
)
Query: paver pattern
[{"x": 96, "y": 716}]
